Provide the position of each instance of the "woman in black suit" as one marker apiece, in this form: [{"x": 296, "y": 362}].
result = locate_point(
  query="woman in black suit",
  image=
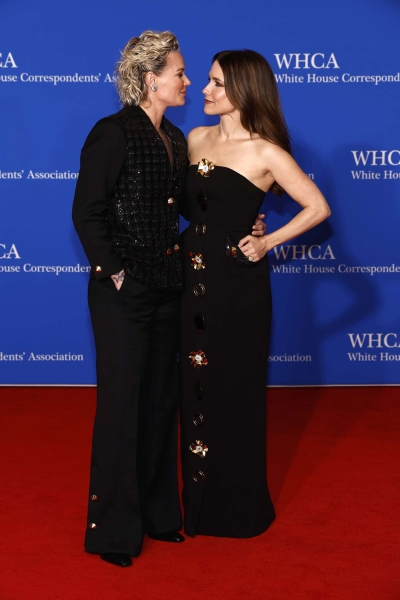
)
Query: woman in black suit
[{"x": 125, "y": 212}]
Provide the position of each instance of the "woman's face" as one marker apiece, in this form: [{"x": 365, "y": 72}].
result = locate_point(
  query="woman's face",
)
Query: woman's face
[
  {"x": 215, "y": 99},
  {"x": 172, "y": 82}
]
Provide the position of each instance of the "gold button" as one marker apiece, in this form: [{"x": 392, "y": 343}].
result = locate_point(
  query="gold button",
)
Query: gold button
[
  {"x": 198, "y": 420},
  {"x": 169, "y": 252},
  {"x": 171, "y": 200},
  {"x": 98, "y": 269},
  {"x": 94, "y": 497},
  {"x": 199, "y": 448},
  {"x": 176, "y": 248},
  {"x": 199, "y": 476},
  {"x": 93, "y": 526},
  {"x": 199, "y": 289}
]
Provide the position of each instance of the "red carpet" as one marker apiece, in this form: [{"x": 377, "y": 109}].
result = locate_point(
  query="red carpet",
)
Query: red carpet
[{"x": 334, "y": 473}]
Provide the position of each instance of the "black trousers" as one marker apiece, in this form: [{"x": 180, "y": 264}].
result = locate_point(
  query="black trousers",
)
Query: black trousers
[{"x": 133, "y": 480}]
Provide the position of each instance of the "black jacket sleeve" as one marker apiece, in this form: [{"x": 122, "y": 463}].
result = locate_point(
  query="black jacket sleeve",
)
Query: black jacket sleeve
[{"x": 102, "y": 158}]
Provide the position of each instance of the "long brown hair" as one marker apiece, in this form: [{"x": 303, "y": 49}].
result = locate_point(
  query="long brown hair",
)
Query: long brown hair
[{"x": 251, "y": 87}]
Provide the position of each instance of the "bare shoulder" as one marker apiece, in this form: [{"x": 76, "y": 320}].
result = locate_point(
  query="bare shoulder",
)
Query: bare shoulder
[
  {"x": 198, "y": 133},
  {"x": 270, "y": 150},
  {"x": 271, "y": 153},
  {"x": 198, "y": 138}
]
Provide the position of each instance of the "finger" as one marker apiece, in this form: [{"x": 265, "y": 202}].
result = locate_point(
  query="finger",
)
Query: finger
[
  {"x": 260, "y": 216},
  {"x": 248, "y": 250},
  {"x": 244, "y": 241},
  {"x": 258, "y": 231}
]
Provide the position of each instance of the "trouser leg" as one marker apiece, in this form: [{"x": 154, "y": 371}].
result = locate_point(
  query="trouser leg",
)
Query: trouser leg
[
  {"x": 133, "y": 472},
  {"x": 122, "y": 330},
  {"x": 158, "y": 418}
]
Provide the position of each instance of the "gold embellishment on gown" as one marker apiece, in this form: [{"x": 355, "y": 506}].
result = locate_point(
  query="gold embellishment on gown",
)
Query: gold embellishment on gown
[
  {"x": 197, "y": 261},
  {"x": 198, "y": 358},
  {"x": 199, "y": 448},
  {"x": 204, "y": 168}
]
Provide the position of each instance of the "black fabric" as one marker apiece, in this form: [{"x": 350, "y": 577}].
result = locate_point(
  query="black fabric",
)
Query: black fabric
[
  {"x": 102, "y": 159},
  {"x": 223, "y": 402},
  {"x": 133, "y": 472},
  {"x": 121, "y": 210}
]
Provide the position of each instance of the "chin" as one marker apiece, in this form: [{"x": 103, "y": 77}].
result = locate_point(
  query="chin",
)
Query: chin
[{"x": 179, "y": 102}]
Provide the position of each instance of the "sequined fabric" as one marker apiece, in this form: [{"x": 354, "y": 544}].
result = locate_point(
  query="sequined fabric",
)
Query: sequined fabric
[{"x": 142, "y": 219}]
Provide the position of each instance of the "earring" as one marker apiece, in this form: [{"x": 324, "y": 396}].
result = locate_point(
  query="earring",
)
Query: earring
[{"x": 154, "y": 87}]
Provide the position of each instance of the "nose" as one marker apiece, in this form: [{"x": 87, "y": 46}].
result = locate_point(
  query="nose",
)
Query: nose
[
  {"x": 187, "y": 81},
  {"x": 206, "y": 90}
]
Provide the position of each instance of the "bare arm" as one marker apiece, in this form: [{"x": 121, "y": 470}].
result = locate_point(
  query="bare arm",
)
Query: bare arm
[{"x": 295, "y": 182}]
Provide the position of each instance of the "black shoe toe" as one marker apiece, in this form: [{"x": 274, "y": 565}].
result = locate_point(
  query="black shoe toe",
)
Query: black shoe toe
[
  {"x": 167, "y": 536},
  {"x": 116, "y": 558}
]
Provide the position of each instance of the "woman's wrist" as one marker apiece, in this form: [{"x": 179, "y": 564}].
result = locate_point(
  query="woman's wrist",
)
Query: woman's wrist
[{"x": 266, "y": 240}]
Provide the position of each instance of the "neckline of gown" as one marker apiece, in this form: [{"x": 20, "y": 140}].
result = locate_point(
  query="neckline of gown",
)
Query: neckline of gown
[{"x": 237, "y": 173}]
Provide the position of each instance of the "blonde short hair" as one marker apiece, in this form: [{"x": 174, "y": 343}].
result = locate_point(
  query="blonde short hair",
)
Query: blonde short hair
[{"x": 148, "y": 52}]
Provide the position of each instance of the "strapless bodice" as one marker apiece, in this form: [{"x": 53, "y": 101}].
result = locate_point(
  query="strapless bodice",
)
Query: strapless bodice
[{"x": 223, "y": 197}]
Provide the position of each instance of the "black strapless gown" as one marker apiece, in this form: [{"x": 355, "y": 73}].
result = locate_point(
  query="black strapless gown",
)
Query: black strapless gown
[{"x": 225, "y": 328}]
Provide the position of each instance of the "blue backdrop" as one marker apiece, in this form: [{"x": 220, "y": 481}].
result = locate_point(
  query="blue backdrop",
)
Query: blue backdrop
[{"x": 336, "y": 289}]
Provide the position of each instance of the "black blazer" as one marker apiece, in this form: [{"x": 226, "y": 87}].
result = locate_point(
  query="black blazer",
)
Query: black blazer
[{"x": 127, "y": 199}]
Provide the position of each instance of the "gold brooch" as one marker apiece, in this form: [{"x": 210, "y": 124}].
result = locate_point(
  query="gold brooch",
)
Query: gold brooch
[
  {"x": 197, "y": 261},
  {"x": 199, "y": 448},
  {"x": 204, "y": 168},
  {"x": 198, "y": 359}
]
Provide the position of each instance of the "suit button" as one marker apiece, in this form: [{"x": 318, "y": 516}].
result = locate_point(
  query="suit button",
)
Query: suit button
[
  {"x": 169, "y": 252},
  {"x": 198, "y": 420},
  {"x": 176, "y": 248},
  {"x": 199, "y": 476},
  {"x": 97, "y": 269},
  {"x": 93, "y": 526},
  {"x": 171, "y": 200},
  {"x": 94, "y": 497},
  {"x": 199, "y": 289}
]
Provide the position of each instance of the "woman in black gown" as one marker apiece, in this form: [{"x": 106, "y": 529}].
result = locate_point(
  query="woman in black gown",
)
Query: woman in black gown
[{"x": 226, "y": 302}]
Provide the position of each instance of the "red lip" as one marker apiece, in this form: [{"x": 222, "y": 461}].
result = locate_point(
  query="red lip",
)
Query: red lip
[{"x": 207, "y": 101}]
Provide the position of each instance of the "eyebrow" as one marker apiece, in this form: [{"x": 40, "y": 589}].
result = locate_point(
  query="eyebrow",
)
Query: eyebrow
[
  {"x": 181, "y": 69},
  {"x": 217, "y": 79}
]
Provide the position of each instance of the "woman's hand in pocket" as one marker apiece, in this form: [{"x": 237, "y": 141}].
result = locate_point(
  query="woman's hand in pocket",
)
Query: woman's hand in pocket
[{"x": 118, "y": 279}]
